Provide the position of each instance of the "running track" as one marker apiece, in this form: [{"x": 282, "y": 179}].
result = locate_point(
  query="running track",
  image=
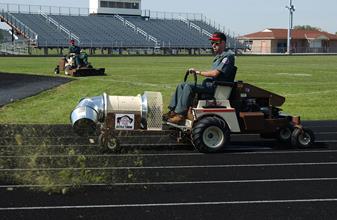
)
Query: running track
[{"x": 254, "y": 179}]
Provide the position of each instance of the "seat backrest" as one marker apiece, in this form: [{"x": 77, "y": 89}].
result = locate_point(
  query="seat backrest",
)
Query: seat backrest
[
  {"x": 235, "y": 69},
  {"x": 223, "y": 89},
  {"x": 222, "y": 92}
]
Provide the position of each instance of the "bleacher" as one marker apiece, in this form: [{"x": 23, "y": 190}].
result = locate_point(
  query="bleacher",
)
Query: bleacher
[
  {"x": 101, "y": 31},
  {"x": 231, "y": 42},
  {"x": 49, "y": 27},
  {"x": 172, "y": 33},
  {"x": 115, "y": 32},
  {"x": 48, "y": 36}
]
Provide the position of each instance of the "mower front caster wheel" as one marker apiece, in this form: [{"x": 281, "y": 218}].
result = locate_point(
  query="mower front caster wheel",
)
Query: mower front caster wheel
[{"x": 109, "y": 143}]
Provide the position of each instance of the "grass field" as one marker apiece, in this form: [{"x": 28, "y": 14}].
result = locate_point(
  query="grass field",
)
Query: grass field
[{"x": 309, "y": 83}]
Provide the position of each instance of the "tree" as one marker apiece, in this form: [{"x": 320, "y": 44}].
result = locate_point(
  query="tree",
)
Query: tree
[{"x": 307, "y": 27}]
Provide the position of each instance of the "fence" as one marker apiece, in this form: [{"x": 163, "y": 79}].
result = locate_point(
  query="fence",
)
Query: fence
[
  {"x": 26, "y": 31},
  {"x": 51, "y": 10},
  {"x": 15, "y": 48}
]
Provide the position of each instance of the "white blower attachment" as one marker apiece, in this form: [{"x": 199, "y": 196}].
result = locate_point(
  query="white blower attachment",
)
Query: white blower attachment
[{"x": 141, "y": 112}]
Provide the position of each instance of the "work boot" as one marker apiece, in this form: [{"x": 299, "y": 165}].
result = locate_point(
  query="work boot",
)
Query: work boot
[
  {"x": 168, "y": 115},
  {"x": 190, "y": 114},
  {"x": 177, "y": 119}
]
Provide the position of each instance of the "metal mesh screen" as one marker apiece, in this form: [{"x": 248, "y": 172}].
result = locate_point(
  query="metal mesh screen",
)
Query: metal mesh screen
[{"x": 155, "y": 110}]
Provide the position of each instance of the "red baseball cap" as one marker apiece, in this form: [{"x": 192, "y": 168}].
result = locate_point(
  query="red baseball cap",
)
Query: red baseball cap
[
  {"x": 218, "y": 36},
  {"x": 72, "y": 41}
]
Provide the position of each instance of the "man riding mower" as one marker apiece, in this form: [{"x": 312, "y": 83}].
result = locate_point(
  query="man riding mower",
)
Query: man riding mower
[
  {"x": 235, "y": 108},
  {"x": 221, "y": 107},
  {"x": 76, "y": 63}
]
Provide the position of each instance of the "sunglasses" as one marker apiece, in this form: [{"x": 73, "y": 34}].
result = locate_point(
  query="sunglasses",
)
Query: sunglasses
[{"x": 215, "y": 42}]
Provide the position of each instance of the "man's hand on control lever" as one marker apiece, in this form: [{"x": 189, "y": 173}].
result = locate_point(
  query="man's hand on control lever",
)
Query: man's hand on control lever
[{"x": 193, "y": 71}]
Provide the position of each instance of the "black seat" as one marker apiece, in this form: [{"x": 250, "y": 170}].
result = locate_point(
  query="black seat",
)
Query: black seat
[{"x": 230, "y": 80}]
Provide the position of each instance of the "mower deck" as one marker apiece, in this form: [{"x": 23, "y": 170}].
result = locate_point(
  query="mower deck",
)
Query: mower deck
[
  {"x": 82, "y": 71},
  {"x": 86, "y": 72}
]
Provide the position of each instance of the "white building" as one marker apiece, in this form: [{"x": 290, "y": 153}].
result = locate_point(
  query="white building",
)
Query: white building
[{"x": 122, "y": 7}]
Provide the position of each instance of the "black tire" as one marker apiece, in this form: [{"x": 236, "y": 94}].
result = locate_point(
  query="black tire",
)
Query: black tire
[
  {"x": 109, "y": 143},
  {"x": 302, "y": 138},
  {"x": 284, "y": 134},
  {"x": 57, "y": 70},
  {"x": 210, "y": 135}
]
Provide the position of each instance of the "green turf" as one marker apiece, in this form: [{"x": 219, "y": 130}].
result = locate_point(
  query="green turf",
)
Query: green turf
[{"x": 309, "y": 83}]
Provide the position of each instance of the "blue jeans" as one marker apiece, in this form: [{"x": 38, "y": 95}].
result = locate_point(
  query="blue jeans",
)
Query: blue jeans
[{"x": 183, "y": 97}]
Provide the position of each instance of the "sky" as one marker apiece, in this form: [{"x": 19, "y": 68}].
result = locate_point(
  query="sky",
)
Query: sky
[{"x": 236, "y": 16}]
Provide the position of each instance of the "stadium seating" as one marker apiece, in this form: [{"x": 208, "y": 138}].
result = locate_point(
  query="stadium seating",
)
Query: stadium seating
[
  {"x": 172, "y": 33},
  {"x": 101, "y": 31},
  {"x": 116, "y": 32},
  {"x": 49, "y": 36}
]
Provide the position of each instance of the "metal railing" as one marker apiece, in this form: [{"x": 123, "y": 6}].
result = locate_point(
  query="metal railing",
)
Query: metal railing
[
  {"x": 15, "y": 48},
  {"x": 20, "y": 26},
  {"x": 60, "y": 27},
  {"x": 171, "y": 15},
  {"x": 137, "y": 29},
  {"x": 50, "y": 10},
  {"x": 190, "y": 24}
]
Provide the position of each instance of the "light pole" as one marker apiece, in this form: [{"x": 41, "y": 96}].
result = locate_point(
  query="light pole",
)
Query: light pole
[{"x": 291, "y": 8}]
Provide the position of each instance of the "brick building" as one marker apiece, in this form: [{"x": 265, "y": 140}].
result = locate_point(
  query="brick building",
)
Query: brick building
[{"x": 303, "y": 41}]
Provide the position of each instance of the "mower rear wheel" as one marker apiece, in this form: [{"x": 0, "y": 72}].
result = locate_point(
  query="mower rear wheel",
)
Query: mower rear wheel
[
  {"x": 210, "y": 135},
  {"x": 109, "y": 143},
  {"x": 302, "y": 138}
]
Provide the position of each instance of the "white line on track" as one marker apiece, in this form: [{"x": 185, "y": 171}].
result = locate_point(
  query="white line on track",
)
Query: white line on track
[
  {"x": 229, "y": 181},
  {"x": 178, "y": 183},
  {"x": 327, "y": 141},
  {"x": 183, "y": 154},
  {"x": 176, "y": 167},
  {"x": 171, "y": 204},
  {"x": 49, "y": 145},
  {"x": 326, "y": 132},
  {"x": 192, "y": 153},
  {"x": 151, "y": 136}
]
